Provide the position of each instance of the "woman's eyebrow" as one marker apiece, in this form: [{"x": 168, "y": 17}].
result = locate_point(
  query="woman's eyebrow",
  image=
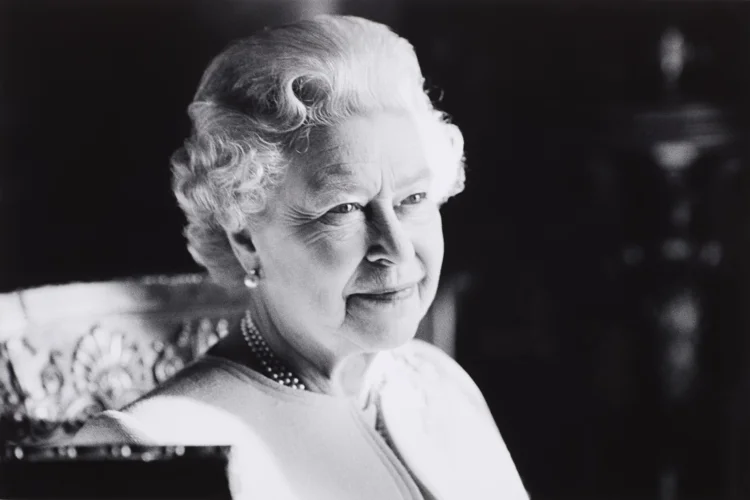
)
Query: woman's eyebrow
[
  {"x": 339, "y": 177},
  {"x": 333, "y": 177}
]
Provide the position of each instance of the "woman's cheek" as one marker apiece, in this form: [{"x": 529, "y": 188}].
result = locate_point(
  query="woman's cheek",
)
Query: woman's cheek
[
  {"x": 426, "y": 219},
  {"x": 335, "y": 247},
  {"x": 431, "y": 238}
]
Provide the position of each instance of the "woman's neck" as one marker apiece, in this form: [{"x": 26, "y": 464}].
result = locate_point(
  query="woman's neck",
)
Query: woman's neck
[{"x": 320, "y": 368}]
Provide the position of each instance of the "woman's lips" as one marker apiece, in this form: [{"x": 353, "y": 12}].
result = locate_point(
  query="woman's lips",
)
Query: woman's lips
[{"x": 390, "y": 295}]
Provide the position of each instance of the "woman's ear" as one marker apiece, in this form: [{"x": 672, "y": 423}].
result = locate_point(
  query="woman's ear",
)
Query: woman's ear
[{"x": 244, "y": 249}]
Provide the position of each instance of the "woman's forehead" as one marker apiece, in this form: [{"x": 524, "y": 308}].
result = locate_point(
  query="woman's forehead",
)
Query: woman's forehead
[{"x": 361, "y": 145}]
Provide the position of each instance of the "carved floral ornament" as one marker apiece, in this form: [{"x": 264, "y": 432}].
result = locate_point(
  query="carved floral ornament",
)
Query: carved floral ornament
[
  {"x": 106, "y": 369},
  {"x": 49, "y": 388}
]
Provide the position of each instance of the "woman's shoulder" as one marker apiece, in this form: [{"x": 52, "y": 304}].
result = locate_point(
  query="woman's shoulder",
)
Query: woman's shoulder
[
  {"x": 110, "y": 427},
  {"x": 209, "y": 380},
  {"x": 164, "y": 420},
  {"x": 194, "y": 407}
]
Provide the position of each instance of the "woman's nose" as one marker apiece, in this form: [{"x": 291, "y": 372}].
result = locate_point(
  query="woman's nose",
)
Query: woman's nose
[{"x": 390, "y": 244}]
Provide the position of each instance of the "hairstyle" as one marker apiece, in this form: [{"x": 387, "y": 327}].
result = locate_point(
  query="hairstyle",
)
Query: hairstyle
[{"x": 258, "y": 102}]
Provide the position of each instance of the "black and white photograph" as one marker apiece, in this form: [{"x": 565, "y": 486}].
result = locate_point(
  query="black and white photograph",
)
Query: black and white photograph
[{"x": 374, "y": 250}]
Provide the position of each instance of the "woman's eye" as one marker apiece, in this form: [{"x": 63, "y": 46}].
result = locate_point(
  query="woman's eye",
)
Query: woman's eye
[
  {"x": 414, "y": 199},
  {"x": 345, "y": 208}
]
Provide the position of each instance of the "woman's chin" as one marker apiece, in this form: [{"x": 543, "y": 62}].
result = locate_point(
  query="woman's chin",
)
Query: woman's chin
[{"x": 386, "y": 323}]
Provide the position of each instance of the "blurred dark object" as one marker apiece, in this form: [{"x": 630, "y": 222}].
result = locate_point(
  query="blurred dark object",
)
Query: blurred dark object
[
  {"x": 606, "y": 219},
  {"x": 677, "y": 161},
  {"x": 114, "y": 472}
]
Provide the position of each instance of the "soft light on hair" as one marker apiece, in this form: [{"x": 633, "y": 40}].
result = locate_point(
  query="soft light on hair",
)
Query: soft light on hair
[{"x": 259, "y": 100}]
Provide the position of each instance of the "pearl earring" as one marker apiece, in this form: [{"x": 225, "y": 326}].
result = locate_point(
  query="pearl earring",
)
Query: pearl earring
[{"x": 252, "y": 279}]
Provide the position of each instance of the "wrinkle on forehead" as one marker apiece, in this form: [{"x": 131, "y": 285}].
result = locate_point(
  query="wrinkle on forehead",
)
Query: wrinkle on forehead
[
  {"x": 341, "y": 158},
  {"x": 337, "y": 175}
]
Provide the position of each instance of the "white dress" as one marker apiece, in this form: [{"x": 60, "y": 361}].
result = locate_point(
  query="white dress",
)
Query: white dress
[{"x": 287, "y": 444}]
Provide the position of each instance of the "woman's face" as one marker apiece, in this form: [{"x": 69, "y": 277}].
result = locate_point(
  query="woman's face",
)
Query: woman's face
[{"x": 351, "y": 246}]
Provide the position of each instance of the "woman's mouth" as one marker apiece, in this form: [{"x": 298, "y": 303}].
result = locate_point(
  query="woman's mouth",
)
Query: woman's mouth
[{"x": 388, "y": 295}]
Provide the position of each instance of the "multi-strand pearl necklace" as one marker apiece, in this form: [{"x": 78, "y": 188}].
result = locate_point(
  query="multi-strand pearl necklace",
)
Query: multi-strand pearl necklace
[
  {"x": 280, "y": 372},
  {"x": 275, "y": 368}
]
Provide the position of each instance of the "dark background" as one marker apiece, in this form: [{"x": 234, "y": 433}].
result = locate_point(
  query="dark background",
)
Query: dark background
[{"x": 92, "y": 103}]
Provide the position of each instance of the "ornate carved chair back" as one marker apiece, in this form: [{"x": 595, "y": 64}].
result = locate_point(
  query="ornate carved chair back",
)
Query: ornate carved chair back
[{"x": 68, "y": 351}]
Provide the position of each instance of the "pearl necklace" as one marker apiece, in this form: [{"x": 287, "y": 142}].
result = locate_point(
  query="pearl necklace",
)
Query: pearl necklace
[
  {"x": 275, "y": 368},
  {"x": 278, "y": 370}
]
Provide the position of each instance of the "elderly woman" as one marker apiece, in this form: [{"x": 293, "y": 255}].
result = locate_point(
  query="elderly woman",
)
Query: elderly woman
[{"x": 315, "y": 174}]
